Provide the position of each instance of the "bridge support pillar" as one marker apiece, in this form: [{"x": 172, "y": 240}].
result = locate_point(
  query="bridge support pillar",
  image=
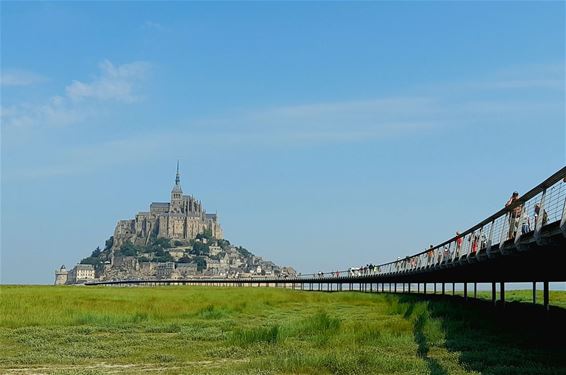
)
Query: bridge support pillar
[
  {"x": 502, "y": 293},
  {"x": 371, "y": 287},
  {"x": 389, "y": 287},
  {"x": 435, "y": 287},
  {"x": 418, "y": 287},
  {"x": 424, "y": 288},
  {"x": 465, "y": 291},
  {"x": 453, "y": 288},
  {"x": 403, "y": 287},
  {"x": 475, "y": 290},
  {"x": 493, "y": 293},
  {"x": 409, "y": 287},
  {"x": 442, "y": 288},
  {"x": 395, "y": 288},
  {"x": 545, "y": 296},
  {"x": 534, "y": 292}
]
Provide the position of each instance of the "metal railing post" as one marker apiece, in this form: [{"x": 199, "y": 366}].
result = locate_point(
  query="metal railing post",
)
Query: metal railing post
[
  {"x": 563, "y": 220},
  {"x": 504, "y": 231},
  {"x": 540, "y": 219}
]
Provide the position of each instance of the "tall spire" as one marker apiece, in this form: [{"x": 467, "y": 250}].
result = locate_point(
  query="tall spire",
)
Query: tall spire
[
  {"x": 177, "y": 187},
  {"x": 177, "y": 178}
]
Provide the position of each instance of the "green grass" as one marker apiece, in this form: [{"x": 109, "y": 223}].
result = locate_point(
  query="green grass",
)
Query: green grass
[
  {"x": 557, "y": 298},
  {"x": 186, "y": 330}
]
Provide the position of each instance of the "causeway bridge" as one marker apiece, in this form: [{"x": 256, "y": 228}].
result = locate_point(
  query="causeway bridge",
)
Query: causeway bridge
[{"x": 523, "y": 242}]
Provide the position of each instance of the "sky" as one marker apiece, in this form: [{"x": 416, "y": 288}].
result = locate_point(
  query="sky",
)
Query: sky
[{"x": 325, "y": 135}]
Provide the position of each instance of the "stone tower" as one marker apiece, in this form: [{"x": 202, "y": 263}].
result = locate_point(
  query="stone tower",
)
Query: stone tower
[
  {"x": 61, "y": 276},
  {"x": 177, "y": 194}
]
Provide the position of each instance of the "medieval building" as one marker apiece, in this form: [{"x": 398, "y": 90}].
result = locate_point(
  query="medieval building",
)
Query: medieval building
[{"x": 182, "y": 218}]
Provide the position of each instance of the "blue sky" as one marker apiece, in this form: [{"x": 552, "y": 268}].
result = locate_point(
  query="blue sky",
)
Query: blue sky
[{"x": 325, "y": 135}]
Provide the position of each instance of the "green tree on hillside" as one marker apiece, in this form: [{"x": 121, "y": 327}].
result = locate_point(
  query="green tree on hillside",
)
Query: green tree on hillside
[
  {"x": 96, "y": 253},
  {"x": 90, "y": 260},
  {"x": 109, "y": 243},
  {"x": 200, "y": 248},
  {"x": 129, "y": 249},
  {"x": 161, "y": 242},
  {"x": 166, "y": 257},
  {"x": 224, "y": 244},
  {"x": 201, "y": 263},
  {"x": 244, "y": 251},
  {"x": 206, "y": 234}
]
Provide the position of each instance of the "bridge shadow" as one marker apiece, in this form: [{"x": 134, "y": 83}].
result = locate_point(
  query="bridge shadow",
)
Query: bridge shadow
[
  {"x": 518, "y": 339},
  {"x": 423, "y": 346}
]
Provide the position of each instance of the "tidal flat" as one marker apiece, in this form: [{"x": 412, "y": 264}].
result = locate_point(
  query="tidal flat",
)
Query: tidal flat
[{"x": 214, "y": 330}]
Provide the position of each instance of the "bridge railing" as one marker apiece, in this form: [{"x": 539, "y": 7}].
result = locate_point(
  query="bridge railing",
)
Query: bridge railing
[{"x": 500, "y": 230}]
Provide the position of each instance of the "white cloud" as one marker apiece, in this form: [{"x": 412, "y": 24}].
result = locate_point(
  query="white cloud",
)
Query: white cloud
[
  {"x": 116, "y": 83},
  {"x": 366, "y": 120},
  {"x": 19, "y": 77},
  {"x": 549, "y": 77}
]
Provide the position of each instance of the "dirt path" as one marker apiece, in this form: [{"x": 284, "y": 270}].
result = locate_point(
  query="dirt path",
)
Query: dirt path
[{"x": 133, "y": 368}]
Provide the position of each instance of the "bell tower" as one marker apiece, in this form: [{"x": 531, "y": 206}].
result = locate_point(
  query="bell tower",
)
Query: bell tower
[{"x": 177, "y": 194}]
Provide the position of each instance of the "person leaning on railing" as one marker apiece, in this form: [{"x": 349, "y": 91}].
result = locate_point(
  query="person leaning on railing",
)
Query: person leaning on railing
[
  {"x": 459, "y": 241},
  {"x": 514, "y": 215}
]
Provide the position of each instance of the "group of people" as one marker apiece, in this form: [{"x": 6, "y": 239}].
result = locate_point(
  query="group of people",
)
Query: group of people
[
  {"x": 368, "y": 269},
  {"x": 518, "y": 216}
]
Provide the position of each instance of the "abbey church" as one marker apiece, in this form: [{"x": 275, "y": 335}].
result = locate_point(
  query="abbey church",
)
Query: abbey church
[{"x": 183, "y": 218}]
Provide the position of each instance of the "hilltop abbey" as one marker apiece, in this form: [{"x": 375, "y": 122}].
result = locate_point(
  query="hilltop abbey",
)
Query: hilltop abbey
[
  {"x": 174, "y": 240},
  {"x": 183, "y": 218}
]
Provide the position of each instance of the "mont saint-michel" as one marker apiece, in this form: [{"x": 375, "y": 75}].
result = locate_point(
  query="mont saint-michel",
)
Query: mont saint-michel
[{"x": 173, "y": 240}]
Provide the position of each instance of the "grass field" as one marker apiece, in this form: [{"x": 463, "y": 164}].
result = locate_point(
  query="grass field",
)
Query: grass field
[
  {"x": 557, "y": 298},
  {"x": 186, "y": 330}
]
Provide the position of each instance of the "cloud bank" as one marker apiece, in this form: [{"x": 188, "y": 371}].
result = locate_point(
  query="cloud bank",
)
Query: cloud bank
[{"x": 115, "y": 83}]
